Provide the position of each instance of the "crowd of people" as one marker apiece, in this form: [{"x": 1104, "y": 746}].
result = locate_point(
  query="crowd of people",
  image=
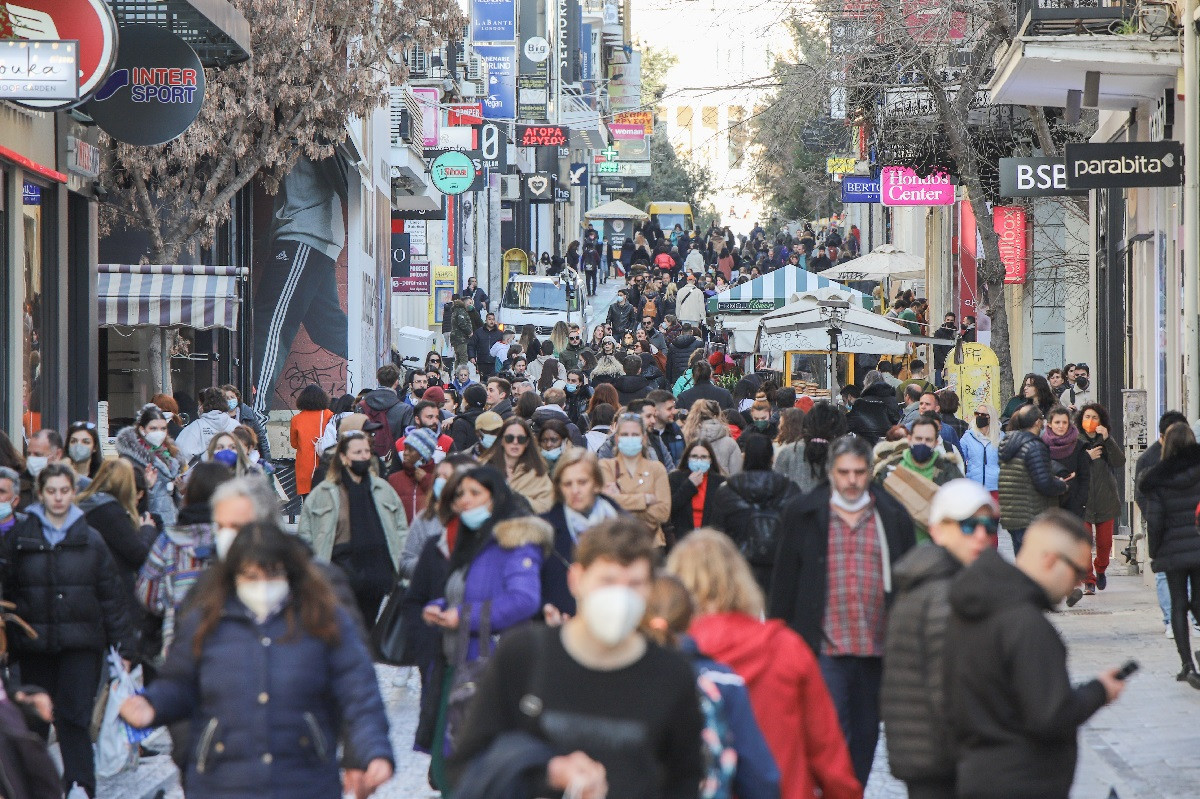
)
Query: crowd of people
[{"x": 615, "y": 575}]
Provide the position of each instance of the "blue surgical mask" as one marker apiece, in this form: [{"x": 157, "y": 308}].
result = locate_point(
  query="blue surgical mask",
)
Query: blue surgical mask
[
  {"x": 232, "y": 404},
  {"x": 438, "y": 484},
  {"x": 6, "y": 510},
  {"x": 474, "y": 518},
  {"x": 226, "y": 456},
  {"x": 629, "y": 445},
  {"x": 571, "y": 388},
  {"x": 698, "y": 465},
  {"x": 921, "y": 452},
  {"x": 552, "y": 454},
  {"x": 487, "y": 439}
]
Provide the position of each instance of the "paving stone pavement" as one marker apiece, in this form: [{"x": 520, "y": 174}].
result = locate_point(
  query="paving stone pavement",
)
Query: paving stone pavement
[{"x": 1143, "y": 747}]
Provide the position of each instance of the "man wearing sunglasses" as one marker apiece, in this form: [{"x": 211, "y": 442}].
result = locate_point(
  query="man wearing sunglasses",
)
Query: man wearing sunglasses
[
  {"x": 1013, "y": 712},
  {"x": 962, "y": 524}
]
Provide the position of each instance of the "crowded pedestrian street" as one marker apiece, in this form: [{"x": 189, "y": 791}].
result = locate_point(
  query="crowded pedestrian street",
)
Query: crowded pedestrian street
[{"x": 605, "y": 399}]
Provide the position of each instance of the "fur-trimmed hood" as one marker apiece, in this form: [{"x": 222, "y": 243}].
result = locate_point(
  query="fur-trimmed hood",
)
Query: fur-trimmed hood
[
  {"x": 132, "y": 446},
  {"x": 712, "y": 430},
  {"x": 522, "y": 531}
]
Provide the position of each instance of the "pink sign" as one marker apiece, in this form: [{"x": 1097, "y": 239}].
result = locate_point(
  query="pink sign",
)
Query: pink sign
[
  {"x": 899, "y": 185},
  {"x": 431, "y": 115},
  {"x": 624, "y": 131}
]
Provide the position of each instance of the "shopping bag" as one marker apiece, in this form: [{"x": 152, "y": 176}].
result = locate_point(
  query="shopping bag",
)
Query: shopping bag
[
  {"x": 116, "y": 746},
  {"x": 389, "y": 637},
  {"x": 912, "y": 491}
]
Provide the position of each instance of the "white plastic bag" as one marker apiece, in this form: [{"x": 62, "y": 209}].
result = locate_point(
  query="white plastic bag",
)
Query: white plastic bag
[{"x": 115, "y": 752}]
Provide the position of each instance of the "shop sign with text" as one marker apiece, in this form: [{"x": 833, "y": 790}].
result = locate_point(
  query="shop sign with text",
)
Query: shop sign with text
[
  {"x": 1118, "y": 165},
  {"x": 1009, "y": 224},
  {"x": 542, "y": 135},
  {"x": 899, "y": 185},
  {"x": 1034, "y": 177}
]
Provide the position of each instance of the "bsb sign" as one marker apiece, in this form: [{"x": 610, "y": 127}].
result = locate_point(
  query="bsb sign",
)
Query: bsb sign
[
  {"x": 542, "y": 135},
  {"x": 1034, "y": 177},
  {"x": 1117, "y": 165}
]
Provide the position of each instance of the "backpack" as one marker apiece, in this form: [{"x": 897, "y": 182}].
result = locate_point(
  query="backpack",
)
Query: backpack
[
  {"x": 716, "y": 742},
  {"x": 760, "y": 542},
  {"x": 383, "y": 444},
  {"x": 650, "y": 309}
]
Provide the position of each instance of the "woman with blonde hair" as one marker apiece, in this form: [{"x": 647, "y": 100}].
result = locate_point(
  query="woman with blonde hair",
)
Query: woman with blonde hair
[
  {"x": 981, "y": 449},
  {"x": 109, "y": 504},
  {"x": 634, "y": 481},
  {"x": 789, "y": 697},
  {"x": 225, "y": 448}
]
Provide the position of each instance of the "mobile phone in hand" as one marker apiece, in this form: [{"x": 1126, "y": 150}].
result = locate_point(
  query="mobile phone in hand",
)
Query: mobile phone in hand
[{"x": 1126, "y": 671}]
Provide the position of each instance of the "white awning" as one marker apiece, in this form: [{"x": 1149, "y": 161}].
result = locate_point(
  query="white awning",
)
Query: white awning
[{"x": 169, "y": 295}]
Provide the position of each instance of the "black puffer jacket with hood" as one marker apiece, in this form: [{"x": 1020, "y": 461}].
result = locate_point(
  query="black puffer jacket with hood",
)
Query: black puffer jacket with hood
[
  {"x": 913, "y": 696},
  {"x": 749, "y": 508},
  {"x": 1171, "y": 492},
  {"x": 1013, "y": 709},
  {"x": 874, "y": 413},
  {"x": 679, "y": 353}
]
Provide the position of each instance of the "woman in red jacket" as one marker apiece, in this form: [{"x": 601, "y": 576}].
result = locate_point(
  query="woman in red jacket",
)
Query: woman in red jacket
[{"x": 790, "y": 701}]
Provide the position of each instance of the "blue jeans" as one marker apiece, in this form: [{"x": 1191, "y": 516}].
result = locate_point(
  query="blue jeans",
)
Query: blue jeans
[
  {"x": 1017, "y": 537},
  {"x": 853, "y": 684},
  {"x": 1164, "y": 596}
]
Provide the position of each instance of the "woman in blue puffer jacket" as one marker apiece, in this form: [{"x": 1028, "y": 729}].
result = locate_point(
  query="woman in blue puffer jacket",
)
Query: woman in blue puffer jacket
[
  {"x": 271, "y": 672},
  {"x": 980, "y": 450}
]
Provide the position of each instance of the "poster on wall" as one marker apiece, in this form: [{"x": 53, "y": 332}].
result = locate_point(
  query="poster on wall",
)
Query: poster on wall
[
  {"x": 443, "y": 292},
  {"x": 501, "y": 100},
  {"x": 301, "y": 293},
  {"x": 976, "y": 380}
]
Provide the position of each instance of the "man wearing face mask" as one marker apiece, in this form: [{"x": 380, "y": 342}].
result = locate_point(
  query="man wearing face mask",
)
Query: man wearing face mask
[
  {"x": 921, "y": 454},
  {"x": 1079, "y": 392},
  {"x": 832, "y": 582},
  {"x": 10, "y": 490},
  {"x": 44, "y": 447},
  {"x": 621, "y": 315},
  {"x": 487, "y": 430},
  {"x": 622, "y": 709}
]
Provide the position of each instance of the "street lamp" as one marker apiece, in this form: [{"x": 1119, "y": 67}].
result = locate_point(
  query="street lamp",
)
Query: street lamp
[{"x": 833, "y": 312}]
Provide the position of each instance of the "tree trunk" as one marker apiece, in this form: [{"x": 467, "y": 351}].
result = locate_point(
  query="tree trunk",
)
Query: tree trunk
[
  {"x": 158, "y": 352},
  {"x": 992, "y": 278}
]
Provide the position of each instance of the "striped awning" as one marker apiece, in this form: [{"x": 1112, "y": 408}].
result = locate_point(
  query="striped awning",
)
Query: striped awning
[
  {"x": 772, "y": 290},
  {"x": 169, "y": 295}
]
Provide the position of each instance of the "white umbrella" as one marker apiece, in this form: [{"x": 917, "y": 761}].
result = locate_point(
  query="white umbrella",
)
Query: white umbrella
[
  {"x": 617, "y": 209},
  {"x": 885, "y": 261},
  {"x": 804, "y": 324}
]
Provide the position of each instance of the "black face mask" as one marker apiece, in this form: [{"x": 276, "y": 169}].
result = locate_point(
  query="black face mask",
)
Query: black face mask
[
  {"x": 361, "y": 468},
  {"x": 982, "y": 420},
  {"x": 418, "y": 392},
  {"x": 1081, "y": 383}
]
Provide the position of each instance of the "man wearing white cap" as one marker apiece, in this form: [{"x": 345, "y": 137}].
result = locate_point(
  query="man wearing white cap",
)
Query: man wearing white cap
[{"x": 962, "y": 524}]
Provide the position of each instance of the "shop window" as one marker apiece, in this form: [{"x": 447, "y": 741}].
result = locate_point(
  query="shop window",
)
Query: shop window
[{"x": 33, "y": 308}]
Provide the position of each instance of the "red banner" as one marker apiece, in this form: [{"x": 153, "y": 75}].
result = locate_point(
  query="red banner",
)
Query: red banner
[
  {"x": 968, "y": 255},
  {"x": 1009, "y": 223}
]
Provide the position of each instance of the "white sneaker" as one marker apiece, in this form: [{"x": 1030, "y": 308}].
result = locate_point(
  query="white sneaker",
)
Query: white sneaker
[{"x": 1170, "y": 633}]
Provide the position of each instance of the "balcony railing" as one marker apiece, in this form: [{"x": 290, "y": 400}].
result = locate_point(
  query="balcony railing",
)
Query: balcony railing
[{"x": 1067, "y": 17}]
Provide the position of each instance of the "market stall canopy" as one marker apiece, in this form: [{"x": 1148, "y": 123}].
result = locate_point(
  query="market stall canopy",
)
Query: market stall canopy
[
  {"x": 772, "y": 290},
  {"x": 885, "y": 261},
  {"x": 804, "y": 325},
  {"x": 617, "y": 209},
  {"x": 169, "y": 295}
]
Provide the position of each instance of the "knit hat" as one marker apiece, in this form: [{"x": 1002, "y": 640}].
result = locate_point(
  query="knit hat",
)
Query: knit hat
[
  {"x": 435, "y": 394},
  {"x": 423, "y": 440},
  {"x": 488, "y": 422},
  {"x": 475, "y": 395}
]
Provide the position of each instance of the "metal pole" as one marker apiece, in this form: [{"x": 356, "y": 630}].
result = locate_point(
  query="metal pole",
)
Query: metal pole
[{"x": 1191, "y": 214}]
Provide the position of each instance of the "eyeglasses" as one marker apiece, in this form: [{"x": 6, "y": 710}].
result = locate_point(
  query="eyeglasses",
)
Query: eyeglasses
[
  {"x": 82, "y": 425},
  {"x": 1080, "y": 572},
  {"x": 575, "y": 339},
  {"x": 989, "y": 524},
  {"x": 515, "y": 439}
]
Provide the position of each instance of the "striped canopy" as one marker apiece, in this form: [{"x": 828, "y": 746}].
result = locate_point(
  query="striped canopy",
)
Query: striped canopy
[
  {"x": 169, "y": 295},
  {"x": 772, "y": 290}
]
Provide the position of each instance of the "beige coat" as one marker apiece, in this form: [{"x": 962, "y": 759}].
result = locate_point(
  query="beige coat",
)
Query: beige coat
[
  {"x": 536, "y": 488},
  {"x": 648, "y": 477},
  {"x": 323, "y": 508}
]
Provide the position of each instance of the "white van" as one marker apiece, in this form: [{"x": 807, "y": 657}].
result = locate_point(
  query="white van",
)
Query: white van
[{"x": 542, "y": 302}]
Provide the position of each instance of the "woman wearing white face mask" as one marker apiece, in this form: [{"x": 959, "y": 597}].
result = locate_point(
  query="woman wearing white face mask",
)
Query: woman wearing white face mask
[
  {"x": 493, "y": 570},
  {"x": 354, "y": 520},
  {"x": 83, "y": 449},
  {"x": 303, "y": 680},
  {"x": 148, "y": 446},
  {"x": 634, "y": 481},
  {"x": 554, "y": 441}
]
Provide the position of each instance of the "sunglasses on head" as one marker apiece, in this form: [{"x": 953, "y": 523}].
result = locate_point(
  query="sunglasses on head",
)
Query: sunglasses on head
[
  {"x": 989, "y": 524},
  {"x": 511, "y": 438}
]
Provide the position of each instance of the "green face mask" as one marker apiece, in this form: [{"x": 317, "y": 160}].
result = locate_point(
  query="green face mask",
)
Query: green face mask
[{"x": 762, "y": 424}]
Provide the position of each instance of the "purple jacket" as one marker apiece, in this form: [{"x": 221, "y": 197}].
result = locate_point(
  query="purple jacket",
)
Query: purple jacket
[{"x": 508, "y": 572}]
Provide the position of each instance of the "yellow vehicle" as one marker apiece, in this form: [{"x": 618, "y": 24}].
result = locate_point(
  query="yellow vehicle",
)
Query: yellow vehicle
[{"x": 668, "y": 215}]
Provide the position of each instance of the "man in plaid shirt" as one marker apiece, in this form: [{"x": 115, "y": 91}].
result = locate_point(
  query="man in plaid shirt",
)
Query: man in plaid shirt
[{"x": 833, "y": 580}]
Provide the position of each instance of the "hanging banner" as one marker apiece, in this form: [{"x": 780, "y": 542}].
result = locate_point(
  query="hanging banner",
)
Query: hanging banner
[
  {"x": 431, "y": 117},
  {"x": 626, "y": 131},
  {"x": 493, "y": 20},
  {"x": 501, "y": 101},
  {"x": 1009, "y": 223},
  {"x": 643, "y": 118},
  {"x": 860, "y": 190},
  {"x": 899, "y": 185}
]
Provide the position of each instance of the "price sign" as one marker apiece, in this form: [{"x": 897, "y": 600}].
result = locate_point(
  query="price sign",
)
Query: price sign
[{"x": 542, "y": 135}]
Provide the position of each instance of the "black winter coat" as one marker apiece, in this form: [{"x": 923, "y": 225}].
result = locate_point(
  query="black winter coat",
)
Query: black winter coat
[
  {"x": 1027, "y": 482},
  {"x": 554, "y": 565},
  {"x": 682, "y": 493},
  {"x": 1171, "y": 492},
  {"x": 462, "y": 429},
  {"x": 70, "y": 593},
  {"x": 913, "y": 695},
  {"x": 623, "y": 318},
  {"x": 678, "y": 354},
  {"x": 705, "y": 390},
  {"x": 1079, "y": 463},
  {"x": 1013, "y": 709},
  {"x": 128, "y": 544},
  {"x": 631, "y": 387},
  {"x": 799, "y": 585},
  {"x": 874, "y": 413},
  {"x": 479, "y": 347},
  {"x": 749, "y": 509}
]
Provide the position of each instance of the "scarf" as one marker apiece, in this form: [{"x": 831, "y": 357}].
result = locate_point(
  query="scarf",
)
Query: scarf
[
  {"x": 925, "y": 471},
  {"x": 578, "y": 523},
  {"x": 1061, "y": 446}
]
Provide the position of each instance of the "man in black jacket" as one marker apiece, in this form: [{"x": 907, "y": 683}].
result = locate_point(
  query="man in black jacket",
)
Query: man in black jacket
[
  {"x": 962, "y": 524},
  {"x": 621, "y": 315},
  {"x": 832, "y": 582},
  {"x": 679, "y": 353},
  {"x": 703, "y": 388},
  {"x": 1013, "y": 709},
  {"x": 479, "y": 347}
]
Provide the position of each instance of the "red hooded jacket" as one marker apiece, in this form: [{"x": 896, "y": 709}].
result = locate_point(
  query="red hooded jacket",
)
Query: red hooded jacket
[{"x": 790, "y": 701}]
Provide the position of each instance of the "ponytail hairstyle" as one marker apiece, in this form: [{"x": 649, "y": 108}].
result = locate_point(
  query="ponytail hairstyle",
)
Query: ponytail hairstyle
[{"x": 822, "y": 426}]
